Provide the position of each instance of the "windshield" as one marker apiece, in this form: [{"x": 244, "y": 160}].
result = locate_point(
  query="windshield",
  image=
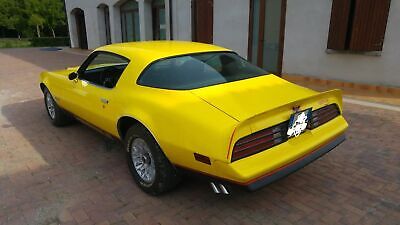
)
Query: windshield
[{"x": 198, "y": 70}]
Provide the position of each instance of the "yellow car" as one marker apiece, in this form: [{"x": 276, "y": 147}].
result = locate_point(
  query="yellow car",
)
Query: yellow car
[{"x": 198, "y": 107}]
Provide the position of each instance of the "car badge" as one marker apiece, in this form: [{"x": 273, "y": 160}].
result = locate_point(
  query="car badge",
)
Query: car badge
[{"x": 296, "y": 108}]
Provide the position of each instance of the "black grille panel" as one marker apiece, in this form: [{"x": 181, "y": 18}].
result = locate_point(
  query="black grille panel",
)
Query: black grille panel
[{"x": 324, "y": 115}]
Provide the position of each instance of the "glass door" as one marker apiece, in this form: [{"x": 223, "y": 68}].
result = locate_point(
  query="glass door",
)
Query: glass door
[
  {"x": 266, "y": 34},
  {"x": 130, "y": 21},
  {"x": 159, "y": 26}
]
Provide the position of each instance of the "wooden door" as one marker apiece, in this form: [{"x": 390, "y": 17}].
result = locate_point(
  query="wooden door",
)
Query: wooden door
[{"x": 202, "y": 11}]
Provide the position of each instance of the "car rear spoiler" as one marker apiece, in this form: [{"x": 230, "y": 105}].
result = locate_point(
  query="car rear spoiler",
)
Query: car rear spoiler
[{"x": 280, "y": 114}]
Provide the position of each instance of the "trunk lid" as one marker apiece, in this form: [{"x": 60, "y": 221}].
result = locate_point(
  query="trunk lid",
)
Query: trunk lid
[{"x": 247, "y": 98}]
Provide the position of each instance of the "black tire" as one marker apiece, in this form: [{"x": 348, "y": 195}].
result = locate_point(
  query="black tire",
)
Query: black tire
[
  {"x": 59, "y": 118},
  {"x": 166, "y": 176}
]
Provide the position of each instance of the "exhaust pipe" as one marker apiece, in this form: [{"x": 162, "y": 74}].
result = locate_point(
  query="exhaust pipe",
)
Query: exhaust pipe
[
  {"x": 219, "y": 188},
  {"x": 214, "y": 187},
  {"x": 223, "y": 189}
]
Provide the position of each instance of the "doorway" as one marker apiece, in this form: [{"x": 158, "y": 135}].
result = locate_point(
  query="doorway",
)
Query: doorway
[
  {"x": 104, "y": 24},
  {"x": 130, "y": 21},
  {"x": 80, "y": 28},
  {"x": 266, "y": 34},
  {"x": 158, "y": 18},
  {"x": 202, "y": 22}
]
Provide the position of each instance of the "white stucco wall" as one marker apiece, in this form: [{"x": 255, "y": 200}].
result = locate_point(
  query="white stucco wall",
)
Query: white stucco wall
[
  {"x": 230, "y": 28},
  {"x": 181, "y": 20},
  {"x": 92, "y": 15},
  {"x": 91, "y": 19},
  {"x": 72, "y": 29},
  {"x": 231, "y": 24},
  {"x": 101, "y": 27},
  {"x": 145, "y": 20},
  {"x": 306, "y": 35}
]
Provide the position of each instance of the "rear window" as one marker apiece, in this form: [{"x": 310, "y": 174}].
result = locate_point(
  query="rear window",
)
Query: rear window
[{"x": 198, "y": 70}]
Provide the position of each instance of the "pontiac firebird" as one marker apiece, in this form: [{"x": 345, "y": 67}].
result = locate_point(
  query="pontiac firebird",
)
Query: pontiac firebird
[{"x": 198, "y": 107}]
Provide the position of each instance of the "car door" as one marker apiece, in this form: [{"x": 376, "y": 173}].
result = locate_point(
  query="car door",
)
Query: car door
[{"x": 97, "y": 80}]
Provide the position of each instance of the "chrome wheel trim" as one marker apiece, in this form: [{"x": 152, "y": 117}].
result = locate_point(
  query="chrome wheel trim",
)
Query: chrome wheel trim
[
  {"x": 143, "y": 160},
  {"x": 50, "y": 105}
]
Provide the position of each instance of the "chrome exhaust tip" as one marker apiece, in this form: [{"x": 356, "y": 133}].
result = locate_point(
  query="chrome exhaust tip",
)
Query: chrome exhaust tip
[
  {"x": 223, "y": 189},
  {"x": 214, "y": 187},
  {"x": 219, "y": 188}
]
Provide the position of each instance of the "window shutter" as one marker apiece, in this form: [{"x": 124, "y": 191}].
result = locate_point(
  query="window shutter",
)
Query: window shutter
[
  {"x": 369, "y": 25},
  {"x": 340, "y": 16},
  {"x": 203, "y": 20}
]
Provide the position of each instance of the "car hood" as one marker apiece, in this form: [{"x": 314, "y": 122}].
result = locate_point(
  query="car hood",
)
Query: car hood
[{"x": 247, "y": 98}]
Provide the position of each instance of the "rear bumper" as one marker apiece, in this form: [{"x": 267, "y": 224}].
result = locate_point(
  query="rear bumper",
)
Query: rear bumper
[
  {"x": 276, "y": 174},
  {"x": 295, "y": 165}
]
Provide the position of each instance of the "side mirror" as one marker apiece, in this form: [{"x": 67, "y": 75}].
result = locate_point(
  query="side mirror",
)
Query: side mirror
[{"x": 73, "y": 76}]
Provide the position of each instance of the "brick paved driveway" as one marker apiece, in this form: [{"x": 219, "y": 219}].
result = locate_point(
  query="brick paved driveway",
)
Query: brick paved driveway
[{"x": 72, "y": 175}]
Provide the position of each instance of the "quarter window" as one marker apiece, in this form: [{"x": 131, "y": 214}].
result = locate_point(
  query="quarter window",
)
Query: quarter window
[{"x": 103, "y": 69}]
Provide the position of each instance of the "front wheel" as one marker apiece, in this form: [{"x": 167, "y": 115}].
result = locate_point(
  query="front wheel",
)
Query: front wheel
[
  {"x": 150, "y": 168},
  {"x": 57, "y": 116}
]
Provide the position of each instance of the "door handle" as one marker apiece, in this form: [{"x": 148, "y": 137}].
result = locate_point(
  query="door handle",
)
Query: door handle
[{"x": 103, "y": 100}]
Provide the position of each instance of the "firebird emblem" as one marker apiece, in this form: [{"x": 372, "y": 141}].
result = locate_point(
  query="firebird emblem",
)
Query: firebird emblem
[{"x": 296, "y": 108}]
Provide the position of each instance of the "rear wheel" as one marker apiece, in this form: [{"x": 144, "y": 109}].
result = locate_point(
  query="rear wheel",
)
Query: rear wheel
[
  {"x": 57, "y": 116},
  {"x": 150, "y": 168}
]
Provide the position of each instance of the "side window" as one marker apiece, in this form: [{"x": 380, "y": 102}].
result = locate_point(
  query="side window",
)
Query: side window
[{"x": 103, "y": 69}]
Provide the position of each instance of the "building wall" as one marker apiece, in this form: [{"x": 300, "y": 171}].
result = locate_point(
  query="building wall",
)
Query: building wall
[
  {"x": 181, "y": 20},
  {"x": 94, "y": 26},
  {"x": 231, "y": 21},
  {"x": 306, "y": 37},
  {"x": 231, "y": 24},
  {"x": 91, "y": 19}
]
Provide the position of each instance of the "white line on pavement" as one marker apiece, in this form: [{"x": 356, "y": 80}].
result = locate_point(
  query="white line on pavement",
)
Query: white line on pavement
[{"x": 372, "y": 104}]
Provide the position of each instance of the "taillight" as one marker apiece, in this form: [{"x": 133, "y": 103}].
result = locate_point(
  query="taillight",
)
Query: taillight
[
  {"x": 323, "y": 115},
  {"x": 260, "y": 141},
  {"x": 269, "y": 137}
]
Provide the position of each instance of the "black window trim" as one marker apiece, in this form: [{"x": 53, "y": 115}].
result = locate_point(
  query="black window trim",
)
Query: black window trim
[
  {"x": 90, "y": 58},
  {"x": 190, "y": 54}
]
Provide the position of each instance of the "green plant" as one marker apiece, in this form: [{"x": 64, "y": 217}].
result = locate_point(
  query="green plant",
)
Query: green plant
[
  {"x": 14, "y": 43},
  {"x": 49, "y": 41},
  {"x": 29, "y": 17}
]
